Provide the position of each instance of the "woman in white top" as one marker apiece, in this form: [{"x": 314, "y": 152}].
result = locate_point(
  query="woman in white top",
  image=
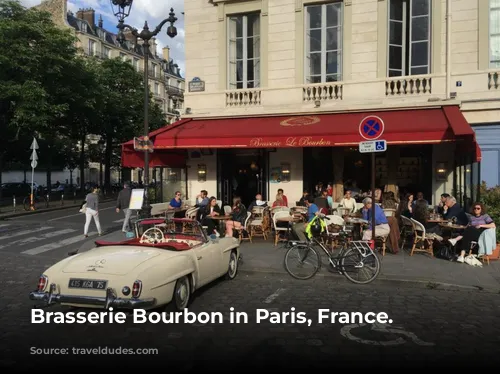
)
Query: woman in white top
[{"x": 348, "y": 202}]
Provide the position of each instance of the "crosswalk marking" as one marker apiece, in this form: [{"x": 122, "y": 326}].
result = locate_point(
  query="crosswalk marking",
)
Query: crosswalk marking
[
  {"x": 119, "y": 220},
  {"x": 55, "y": 245},
  {"x": 24, "y": 232},
  {"x": 32, "y": 239},
  {"x": 5, "y": 225}
]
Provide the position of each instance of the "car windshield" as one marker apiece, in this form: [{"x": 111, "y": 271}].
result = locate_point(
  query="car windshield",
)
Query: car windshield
[{"x": 172, "y": 228}]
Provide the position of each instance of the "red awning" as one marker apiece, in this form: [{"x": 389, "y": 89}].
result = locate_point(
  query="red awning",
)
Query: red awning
[
  {"x": 414, "y": 126},
  {"x": 134, "y": 159}
]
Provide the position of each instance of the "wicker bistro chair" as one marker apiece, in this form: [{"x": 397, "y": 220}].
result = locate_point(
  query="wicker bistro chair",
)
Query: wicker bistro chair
[
  {"x": 331, "y": 222},
  {"x": 245, "y": 228},
  {"x": 187, "y": 227},
  {"x": 277, "y": 229},
  {"x": 406, "y": 230},
  {"x": 423, "y": 238},
  {"x": 259, "y": 222}
]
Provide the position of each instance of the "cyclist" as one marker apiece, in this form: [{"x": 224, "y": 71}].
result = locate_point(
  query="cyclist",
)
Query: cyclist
[{"x": 299, "y": 229}]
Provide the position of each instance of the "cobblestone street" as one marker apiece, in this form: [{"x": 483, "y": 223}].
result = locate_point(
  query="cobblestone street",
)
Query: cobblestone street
[{"x": 437, "y": 327}]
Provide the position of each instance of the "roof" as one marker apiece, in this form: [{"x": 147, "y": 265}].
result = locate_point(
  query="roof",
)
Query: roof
[{"x": 108, "y": 37}]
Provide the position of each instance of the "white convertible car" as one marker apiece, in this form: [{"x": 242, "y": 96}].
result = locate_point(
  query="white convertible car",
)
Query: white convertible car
[{"x": 163, "y": 265}]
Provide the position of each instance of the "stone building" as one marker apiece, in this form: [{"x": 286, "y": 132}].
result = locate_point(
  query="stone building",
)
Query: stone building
[
  {"x": 280, "y": 90},
  {"x": 165, "y": 79}
]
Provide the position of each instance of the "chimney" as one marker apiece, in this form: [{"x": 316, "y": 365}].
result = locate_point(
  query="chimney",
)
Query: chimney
[
  {"x": 152, "y": 46},
  {"x": 100, "y": 24},
  {"x": 88, "y": 15},
  {"x": 166, "y": 53}
]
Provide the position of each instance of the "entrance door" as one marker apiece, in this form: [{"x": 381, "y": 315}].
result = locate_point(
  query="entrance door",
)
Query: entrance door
[{"x": 241, "y": 173}]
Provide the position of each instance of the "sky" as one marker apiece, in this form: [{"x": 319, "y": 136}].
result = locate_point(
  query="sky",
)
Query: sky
[{"x": 153, "y": 11}]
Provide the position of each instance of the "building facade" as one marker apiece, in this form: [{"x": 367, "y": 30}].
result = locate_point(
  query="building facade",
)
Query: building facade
[{"x": 286, "y": 83}]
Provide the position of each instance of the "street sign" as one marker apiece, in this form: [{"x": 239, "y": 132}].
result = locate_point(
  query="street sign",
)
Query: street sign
[
  {"x": 371, "y": 127},
  {"x": 34, "y": 163},
  {"x": 372, "y": 147},
  {"x": 34, "y": 156},
  {"x": 34, "y": 145}
]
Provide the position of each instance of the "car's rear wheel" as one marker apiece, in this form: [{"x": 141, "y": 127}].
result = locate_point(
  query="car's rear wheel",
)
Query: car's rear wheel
[
  {"x": 232, "y": 270},
  {"x": 182, "y": 294}
]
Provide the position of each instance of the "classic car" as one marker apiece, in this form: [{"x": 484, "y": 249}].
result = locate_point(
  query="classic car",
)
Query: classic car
[{"x": 166, "y": 261}]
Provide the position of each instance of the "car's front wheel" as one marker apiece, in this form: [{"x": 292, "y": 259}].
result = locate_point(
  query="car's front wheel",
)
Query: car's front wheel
[
  {"x": 232, "y": 270},
  {"x": 181, "y": 296}
]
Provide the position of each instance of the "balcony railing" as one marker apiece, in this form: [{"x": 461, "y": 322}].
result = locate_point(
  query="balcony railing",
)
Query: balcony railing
[
  {"x": 174, "y": 91},
  {"x": 381, "y": 92},
  {"x": 92, "y": 53}
]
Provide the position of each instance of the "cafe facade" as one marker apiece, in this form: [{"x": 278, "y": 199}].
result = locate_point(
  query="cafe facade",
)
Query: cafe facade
[{"x": 265, "y": 109}]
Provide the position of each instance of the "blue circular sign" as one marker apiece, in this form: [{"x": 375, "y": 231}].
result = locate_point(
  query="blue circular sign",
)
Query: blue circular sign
[{"x": 371, "y": 127}]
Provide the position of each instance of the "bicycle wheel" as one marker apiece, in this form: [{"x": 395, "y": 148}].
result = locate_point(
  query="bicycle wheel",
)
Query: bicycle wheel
[
  {"x": 359, "y": 269},
  {"x": 302, "y": 262}
]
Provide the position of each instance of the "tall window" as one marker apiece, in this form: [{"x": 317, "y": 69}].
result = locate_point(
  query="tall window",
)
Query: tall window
[
  {"x": 92, "y": 47},
  {"x": 409, "y": 37},
  {"x": 323, "y": 60},
  {"x": 494, "y": 34},
  {"x": 244, "y": 51}
]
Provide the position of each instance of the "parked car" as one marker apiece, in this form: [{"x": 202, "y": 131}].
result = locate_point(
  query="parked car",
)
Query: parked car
[{"x": 163, "y": 264}]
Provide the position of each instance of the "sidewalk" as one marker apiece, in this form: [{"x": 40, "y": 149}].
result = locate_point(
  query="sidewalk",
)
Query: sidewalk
[
  {"x": 262, "y": 256},
  {"x": 8, "y": 212}
]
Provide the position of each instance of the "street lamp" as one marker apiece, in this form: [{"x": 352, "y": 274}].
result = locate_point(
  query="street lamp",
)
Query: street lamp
[{"x": 121, "y": 9}]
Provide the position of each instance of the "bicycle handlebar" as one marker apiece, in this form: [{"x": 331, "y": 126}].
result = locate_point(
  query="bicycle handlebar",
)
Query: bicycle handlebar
[{"x": 323, "y": 216}]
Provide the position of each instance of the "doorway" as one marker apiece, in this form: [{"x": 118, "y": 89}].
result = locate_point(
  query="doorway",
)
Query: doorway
[{"x": 242, "y": 173}]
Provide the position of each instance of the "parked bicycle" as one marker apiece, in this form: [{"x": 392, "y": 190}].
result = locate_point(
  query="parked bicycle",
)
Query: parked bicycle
[
  {"x": 38, "y": 202},
  {"x": 355, "y": 259}
]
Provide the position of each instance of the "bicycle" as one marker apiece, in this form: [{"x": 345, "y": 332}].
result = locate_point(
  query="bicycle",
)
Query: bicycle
[
  {"x": 360, "y": 254},
  {"x": 38, "y": 202}
]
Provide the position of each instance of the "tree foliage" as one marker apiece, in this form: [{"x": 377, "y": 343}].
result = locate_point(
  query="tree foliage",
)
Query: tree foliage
[{"x": 48, "y": 90}]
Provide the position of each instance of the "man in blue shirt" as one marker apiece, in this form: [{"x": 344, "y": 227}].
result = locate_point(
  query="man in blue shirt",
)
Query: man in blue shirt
[
  {"x": 312, "y": 210},
  {"x": 381, "y": 224}
]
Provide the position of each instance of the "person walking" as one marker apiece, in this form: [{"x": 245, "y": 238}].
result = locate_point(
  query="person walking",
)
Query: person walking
[
  {"x": 123, "y": 203},
  {"x": 92, "y": 211}
]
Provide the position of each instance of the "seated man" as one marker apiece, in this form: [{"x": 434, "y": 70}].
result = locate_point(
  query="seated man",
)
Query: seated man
[
  {"x": 381, "y": 224},
  {"x": 299, "y": 229},
  {"x": 455, "y": 211},
  {"x": 258, "y": 202}
]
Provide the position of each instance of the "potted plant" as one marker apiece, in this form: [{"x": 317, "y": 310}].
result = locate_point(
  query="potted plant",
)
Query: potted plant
[{"x": 490, "y": 197}]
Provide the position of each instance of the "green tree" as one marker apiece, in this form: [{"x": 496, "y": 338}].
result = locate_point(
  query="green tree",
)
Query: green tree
[
  {"x": 36, "y": 60},
  {"x": 121, "y": 107}
]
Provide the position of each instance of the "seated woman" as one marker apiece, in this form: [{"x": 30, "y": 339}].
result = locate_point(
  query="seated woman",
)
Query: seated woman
[
  {"x": 209, "y": 211},
  {"x": 279, "y": 201},
  {"x": 238, "y": 214},
  {"x": 406, "y": 206},
  {"x": 421, "y": 214},
  {"x": 176, "y": 203},
  {"x": 478, "y": 222}
]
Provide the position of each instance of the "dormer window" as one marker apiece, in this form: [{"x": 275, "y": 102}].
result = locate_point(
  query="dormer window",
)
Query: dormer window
[{"x": 84, "y": 27}]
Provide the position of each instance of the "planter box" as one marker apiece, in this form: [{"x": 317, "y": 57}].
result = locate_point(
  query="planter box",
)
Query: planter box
[{"x": 496, "y": 253}]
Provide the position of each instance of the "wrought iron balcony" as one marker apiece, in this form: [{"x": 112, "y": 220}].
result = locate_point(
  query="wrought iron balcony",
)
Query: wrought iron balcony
[{"x": 174, "y": 91}]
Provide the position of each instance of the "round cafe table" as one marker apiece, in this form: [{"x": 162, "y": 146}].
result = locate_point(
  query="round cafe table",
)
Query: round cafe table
[{"x": 452, "y": 226}]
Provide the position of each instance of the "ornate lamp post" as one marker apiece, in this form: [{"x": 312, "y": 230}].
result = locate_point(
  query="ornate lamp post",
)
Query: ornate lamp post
[{"x": 121, "y": 9}]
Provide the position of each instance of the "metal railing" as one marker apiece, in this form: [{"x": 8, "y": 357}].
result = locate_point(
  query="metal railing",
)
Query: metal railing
[{"x": 174, "y": 91}]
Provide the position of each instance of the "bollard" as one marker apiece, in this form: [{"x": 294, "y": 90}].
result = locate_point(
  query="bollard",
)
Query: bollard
[
  {"x": 74, "y": 197},
  {"x": 47, "y": 201},
  {"x": 14, "y": 202},
  {"x": 62, "y": 199}
]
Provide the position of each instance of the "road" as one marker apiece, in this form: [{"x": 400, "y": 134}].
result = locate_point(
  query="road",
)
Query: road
[
  {"x": 53, "y": 234},
  {"x": 449, "y": 328},
  {"x": 461, "y": 327}
]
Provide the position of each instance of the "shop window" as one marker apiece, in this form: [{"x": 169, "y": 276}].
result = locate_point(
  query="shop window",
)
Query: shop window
[{"x": 285, "y": 172}]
